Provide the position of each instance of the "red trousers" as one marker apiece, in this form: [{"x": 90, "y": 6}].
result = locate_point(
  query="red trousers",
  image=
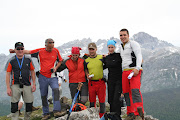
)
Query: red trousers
[
  {"x": 97, "y": 88},
  {"x": 132, "y": 93}
]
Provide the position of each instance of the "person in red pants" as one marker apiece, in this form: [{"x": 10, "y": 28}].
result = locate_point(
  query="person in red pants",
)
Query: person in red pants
[
  {"x": 96, "y": 85},
  {"x": 131, "y": 62}
]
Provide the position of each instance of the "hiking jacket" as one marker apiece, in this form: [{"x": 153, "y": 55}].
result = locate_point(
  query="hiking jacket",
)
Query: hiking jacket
[
  {"x": 131, "y": 55},
  {"x": 113, "y": 63},
  {"x": 76, "y": 74}
]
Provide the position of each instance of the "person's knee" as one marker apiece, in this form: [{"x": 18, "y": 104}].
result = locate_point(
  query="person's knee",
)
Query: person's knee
[
  {"x": 56, "y": 94},
  {"x": 44, "y": 100},
  {"x": 28, "y": 107},
  {"x": 14, "y": 107}
]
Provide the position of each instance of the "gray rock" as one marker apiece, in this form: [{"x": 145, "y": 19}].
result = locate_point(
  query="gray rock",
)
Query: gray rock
[
  {"x": 88, "y": 114},
  {"x": 147, "y": 117}
]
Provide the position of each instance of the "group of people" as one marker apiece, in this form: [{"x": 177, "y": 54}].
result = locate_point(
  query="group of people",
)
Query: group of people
[{"x": 87, "y": 70}]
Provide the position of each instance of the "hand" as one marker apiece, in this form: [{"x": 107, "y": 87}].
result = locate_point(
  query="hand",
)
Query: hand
[
  {"x": 54, "y": 69},
  {"x": 136, "y": 72},
  {"x": 33, "y": 88},
  {"x": 88, "y": 77},
  {"x": 59, "y": 84},
  {"x": 9, "y": 92},
  {"x": 11, "y": 50},
  {"x": 104, "y": 56}
]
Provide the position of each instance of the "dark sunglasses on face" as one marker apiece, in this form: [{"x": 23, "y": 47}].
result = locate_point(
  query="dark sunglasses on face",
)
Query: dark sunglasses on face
[
  {"x": 123, "y": 35},
  {"x": 91, "y": 49},
  {"x": 51, "y": 42},
  {"x": 19, "y": 48}
]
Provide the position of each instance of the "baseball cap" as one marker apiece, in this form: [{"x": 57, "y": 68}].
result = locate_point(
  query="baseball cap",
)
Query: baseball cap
[
  {"x": 92, "y": 45},
  {"x": 19, "y": 44}
]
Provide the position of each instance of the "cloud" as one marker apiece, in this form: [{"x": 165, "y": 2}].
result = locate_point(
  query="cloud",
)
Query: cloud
[{"x": 34, "y": 21}]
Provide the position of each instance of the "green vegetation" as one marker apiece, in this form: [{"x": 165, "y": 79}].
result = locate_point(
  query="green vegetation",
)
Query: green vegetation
[
  {"x": 4, "y": 107},
  {"x": 37, "y": 115},
  {"x": 163, "y": 104}
]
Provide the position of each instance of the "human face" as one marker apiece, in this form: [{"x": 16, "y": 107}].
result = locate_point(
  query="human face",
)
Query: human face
[
  {"x": 49, "y": 45},
  {"x": 111, "y": 48},
  {"x": 124, "y": 37},
  {"x": 92, "y": 52},
  {"x": 75, "y": 57},
  {"x": 19, "y": 52}
]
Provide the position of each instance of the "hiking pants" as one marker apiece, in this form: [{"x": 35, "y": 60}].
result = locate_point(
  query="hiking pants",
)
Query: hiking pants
[
  {"x": 114, "y": 93},
  {"x": 83, "y": 92},
  {"x": 44, "y": 83},
  {"x": 97, "y": 88},
  {"x": 27, "y": 96},
  {"x": 132, "y": 93}
]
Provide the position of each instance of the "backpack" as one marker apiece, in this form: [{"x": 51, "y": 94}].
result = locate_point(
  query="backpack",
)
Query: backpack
[
  {"x": 78, "y": 107},
  {"x": 112, "y": 116}
]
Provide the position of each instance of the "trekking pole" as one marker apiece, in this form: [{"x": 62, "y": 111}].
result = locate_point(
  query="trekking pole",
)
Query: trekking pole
[{"x": 74, "y": 100}]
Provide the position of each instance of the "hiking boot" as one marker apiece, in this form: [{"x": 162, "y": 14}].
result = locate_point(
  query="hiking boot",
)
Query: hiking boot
[
  {"x": 59, "y": 114},
  {"x": 34, "y": 108},
  {"x": 20, "y": 113},
  {"x": 46, "y": 117},
  {"x": 130, "y": 117},
  {"x": 140, "y": 111}
]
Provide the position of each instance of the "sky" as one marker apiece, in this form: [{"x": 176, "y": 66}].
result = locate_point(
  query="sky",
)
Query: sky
[{"x": 33, "y": 21}]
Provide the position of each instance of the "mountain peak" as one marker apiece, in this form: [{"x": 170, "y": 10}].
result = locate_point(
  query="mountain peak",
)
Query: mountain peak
[{"x": 149, "y": 42}]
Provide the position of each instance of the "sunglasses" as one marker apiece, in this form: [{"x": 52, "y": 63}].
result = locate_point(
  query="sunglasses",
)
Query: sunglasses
[
  {"x": 51, "y": 42},
  {"x": 91, "y": 49},
  {"x": 20, "y": 49}
]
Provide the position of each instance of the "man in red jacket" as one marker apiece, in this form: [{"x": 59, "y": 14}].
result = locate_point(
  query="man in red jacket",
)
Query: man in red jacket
[{"x": 77, "y": 69}]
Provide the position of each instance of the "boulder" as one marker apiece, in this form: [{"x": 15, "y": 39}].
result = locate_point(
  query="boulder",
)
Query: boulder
[{"x": 87, "y": 114}]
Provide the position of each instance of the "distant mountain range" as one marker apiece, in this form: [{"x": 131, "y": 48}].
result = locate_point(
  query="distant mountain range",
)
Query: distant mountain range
[
  {"x": 160, "y": 67},
  {"x": 161, "y": 59}
]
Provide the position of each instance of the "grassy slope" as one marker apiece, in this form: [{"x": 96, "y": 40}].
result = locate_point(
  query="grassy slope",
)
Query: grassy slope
[{"x": 163, "y": 104}]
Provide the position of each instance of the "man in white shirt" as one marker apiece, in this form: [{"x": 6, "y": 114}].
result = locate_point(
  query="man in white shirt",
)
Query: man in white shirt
[{"x": 131, "y": 62}]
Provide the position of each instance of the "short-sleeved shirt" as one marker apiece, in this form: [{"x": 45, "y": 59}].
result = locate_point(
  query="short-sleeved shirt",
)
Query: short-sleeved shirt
[
  {"x": 46, "y": 59},
  {"x": 95, "y": 66},
  {"x": 13, "y": 67}
]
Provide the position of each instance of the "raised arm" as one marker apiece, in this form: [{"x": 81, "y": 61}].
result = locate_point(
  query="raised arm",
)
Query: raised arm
[{"x": 25, "y": 51}]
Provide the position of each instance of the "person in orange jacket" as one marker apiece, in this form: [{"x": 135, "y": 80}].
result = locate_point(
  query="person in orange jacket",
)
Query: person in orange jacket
[{"x": 77, "y": 73}]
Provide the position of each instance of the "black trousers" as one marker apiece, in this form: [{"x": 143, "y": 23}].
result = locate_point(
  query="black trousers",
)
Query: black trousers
[{"x": 114, "y": 93}]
